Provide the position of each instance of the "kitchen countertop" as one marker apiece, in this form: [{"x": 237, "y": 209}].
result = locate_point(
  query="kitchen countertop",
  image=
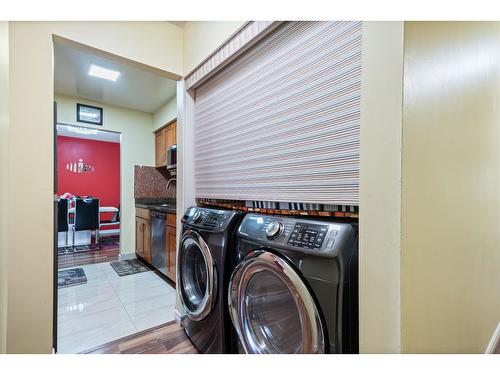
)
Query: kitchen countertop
[
  {"x": 157, "y": 204},
  {"x": 165, "y": 207}
]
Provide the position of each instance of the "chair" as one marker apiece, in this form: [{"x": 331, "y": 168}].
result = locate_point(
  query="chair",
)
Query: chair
[
  {"x": 115, "y": 220},
  {"x": 62, "y": 217},
  {"x": 86, "y": 216}
]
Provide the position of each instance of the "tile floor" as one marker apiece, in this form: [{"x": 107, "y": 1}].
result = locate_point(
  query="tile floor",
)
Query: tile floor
[{"x": 109, "y": 307}]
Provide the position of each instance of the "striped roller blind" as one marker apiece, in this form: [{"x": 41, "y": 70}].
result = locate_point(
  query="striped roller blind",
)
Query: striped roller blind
[{"x": 281, "y": 122}]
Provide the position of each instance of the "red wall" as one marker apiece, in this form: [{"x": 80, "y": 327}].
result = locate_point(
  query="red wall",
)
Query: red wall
[{"x": 103, "y": 183}]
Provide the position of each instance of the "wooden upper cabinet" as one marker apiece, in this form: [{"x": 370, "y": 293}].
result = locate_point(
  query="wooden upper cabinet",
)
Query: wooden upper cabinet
[
  {"x": 174, "y": 130},
  {"x": 171, "y": 134},
  {"x": 164, "y": 138},
  {"x": 161, "y": 148}
]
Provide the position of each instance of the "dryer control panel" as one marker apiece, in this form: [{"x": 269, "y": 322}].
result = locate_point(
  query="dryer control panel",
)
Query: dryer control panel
[
  {"x": 206, "y": 217},
  {"x": 306, "y": 235}
]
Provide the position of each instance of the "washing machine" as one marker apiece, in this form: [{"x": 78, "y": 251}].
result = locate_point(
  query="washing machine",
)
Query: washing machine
[
  {"x": 203, "y": 276},
  {"x": 294, "y": 288}
]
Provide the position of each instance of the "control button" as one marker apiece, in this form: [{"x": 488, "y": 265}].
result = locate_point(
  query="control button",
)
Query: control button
[
  {"x": 330, "y": 243},
  {"x": 197, "y": 217},
  {"x": 274, "y": 229}
]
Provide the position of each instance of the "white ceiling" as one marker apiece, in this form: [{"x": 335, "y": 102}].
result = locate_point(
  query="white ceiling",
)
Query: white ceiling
[
  {"x": 135, "y": 88},
  {"x": 96, "y": 134}
]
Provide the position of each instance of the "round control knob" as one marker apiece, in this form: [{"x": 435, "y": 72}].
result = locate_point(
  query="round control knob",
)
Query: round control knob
[
  {"x": 274, "y": 229},
  {"x": 197, "y": 217}
]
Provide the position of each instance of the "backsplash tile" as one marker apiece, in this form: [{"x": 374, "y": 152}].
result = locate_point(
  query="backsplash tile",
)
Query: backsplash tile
[{"x": 151, "y": 182}]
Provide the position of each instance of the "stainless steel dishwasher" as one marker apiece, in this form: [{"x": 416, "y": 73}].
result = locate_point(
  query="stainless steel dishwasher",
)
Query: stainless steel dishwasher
[{"x": 159, "y": 234}]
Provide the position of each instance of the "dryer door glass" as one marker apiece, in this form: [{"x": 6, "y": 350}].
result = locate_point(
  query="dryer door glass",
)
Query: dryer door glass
[
  {"x": 196, "y": 280},
  {"x": 272, "y": 308}
]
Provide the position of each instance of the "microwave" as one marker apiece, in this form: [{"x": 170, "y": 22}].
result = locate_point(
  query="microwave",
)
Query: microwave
[{"x": 172, "y": 157}]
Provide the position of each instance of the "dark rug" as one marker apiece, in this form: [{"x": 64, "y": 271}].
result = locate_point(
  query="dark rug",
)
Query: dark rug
[
  {"x": 105, "y": 242},
  {"x": 71, "y": 277},
  {"x": 129, "y": 267}
]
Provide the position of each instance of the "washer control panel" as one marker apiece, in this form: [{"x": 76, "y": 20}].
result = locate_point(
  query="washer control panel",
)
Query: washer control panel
[
  {"x": 274, "y": 229},
  {"x": 311, "y": 236},
  {"x": 307, "y": 235}
]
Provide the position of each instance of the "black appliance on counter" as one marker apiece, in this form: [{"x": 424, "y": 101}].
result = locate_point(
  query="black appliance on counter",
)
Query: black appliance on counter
[{"x": 172, "y": 157}]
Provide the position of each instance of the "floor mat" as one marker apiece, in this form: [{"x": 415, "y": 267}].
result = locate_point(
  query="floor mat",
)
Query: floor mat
[
  {"x": 71, "y": 277},
  {"x": 129, "y": 267},
  {"x": 105, "y": 242}
]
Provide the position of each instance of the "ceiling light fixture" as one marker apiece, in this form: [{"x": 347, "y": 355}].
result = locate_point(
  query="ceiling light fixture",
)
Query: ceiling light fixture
[{"x": 100, "y": 72}]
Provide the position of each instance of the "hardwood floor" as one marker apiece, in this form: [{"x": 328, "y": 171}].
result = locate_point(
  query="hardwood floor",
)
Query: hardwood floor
[
  {"x": 168, "y": 338},
  {"x": 90, "y": 257}
]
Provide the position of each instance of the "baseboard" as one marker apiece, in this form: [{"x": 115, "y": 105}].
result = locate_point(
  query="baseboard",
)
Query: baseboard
[
  {"x": 109, "y": 231},
  {"x": 127, "y": 256},
  {"x": 494, "y": 344},
  {"x": 178, "y": 317}
]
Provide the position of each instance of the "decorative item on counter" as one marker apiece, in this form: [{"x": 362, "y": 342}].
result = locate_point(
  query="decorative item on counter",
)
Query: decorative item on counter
[
  {"x": 67, "y": 196},
  {"x": 80, "y": 167}
]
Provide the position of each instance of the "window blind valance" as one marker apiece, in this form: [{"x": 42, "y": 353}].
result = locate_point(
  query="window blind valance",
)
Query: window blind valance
[
  {"x": 249, "y": 34},
  {"x": 281, "y": 122}
]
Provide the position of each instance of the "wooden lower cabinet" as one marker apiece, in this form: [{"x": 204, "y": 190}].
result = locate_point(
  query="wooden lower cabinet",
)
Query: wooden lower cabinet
[
  {"x": 171, "y": 252},
  {"x": 171, "y": 247},
  {"x": 143, "y": 238}
]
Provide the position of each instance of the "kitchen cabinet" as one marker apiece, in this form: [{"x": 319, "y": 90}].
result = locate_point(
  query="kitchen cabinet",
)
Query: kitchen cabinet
[
  {"x": 164, "y": 138},
  {"x": 171, "y": 134},
  {"x": 143, "y": 234},
  {"x": 171, "y": 246},
  {"x": 160, "y": 148},
  {"x": 144, "y": 240}
]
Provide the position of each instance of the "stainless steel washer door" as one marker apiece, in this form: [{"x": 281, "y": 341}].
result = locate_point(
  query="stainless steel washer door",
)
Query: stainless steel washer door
[
  {"x": 197, "y": 276},
  {"x": 271, "y": 307}
]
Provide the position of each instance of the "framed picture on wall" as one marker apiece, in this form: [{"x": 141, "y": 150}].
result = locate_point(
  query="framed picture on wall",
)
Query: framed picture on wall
[{"x": 88, "y": 114}]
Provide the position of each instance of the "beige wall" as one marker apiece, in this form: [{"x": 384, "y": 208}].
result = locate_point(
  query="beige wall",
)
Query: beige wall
[
  {"x": 30, "y": 174},
  {"x": 201, "y": 38},
  {"x": 166, "y": 113},
  {"x": 380, "y": 188},
  {"x": 136, "y": 148},
  {"x": 4, "y": 124},
  {"x": 450, "y": 265}
]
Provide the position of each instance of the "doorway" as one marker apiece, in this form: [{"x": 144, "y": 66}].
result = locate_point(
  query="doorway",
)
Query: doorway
[
  {"x": 89, "y": 168},
  {"x": 103, "y": 292}
]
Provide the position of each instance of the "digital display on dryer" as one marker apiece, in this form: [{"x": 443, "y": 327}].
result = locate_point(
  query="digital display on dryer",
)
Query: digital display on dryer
[
  {"x": 213, "y": 219},
  {"x": 308, "y": 235}
]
